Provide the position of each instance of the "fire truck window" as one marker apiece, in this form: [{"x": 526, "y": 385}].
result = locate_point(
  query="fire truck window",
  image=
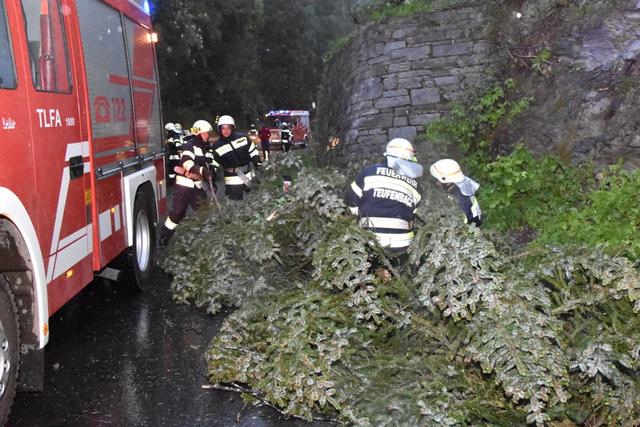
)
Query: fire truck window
[
  {"x": 47, "y": 45},
  {"x": 7, "y": 70}
]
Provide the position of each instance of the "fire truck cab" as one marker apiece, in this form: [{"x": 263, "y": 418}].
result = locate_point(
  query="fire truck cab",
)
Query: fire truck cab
[
  {"x": 81, "y": 164},
  {"x": 297, "y": 121}
]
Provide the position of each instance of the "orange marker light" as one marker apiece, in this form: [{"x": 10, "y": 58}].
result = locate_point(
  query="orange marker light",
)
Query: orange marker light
[{"x": 69, "y": 273}]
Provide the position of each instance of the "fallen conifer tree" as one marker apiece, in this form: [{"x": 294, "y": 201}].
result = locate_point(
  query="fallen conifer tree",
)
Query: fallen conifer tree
[{"x": 462, "y": 334}]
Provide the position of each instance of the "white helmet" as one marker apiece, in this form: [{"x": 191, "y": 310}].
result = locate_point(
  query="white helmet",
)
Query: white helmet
[
  {"x": 178, "y": 127},
  {"x": 226, "y": 120},
  {"x": 170, "y": 127},
  {"x": 401, "y": 149},
  {"x": 201, "y": 126},
  {"x": 447, "y": 170},
  {"x": 401, "y": 158}
]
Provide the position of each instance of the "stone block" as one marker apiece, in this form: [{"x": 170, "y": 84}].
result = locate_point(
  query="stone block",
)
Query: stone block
[
  {"x": 402, "y": 33},
  {"x": 446, "y": 81},
  {"x": 370, "y": 140},
  {"x": 425, "y": 96},
  {"x": 390, "y": 83},
  {"x": 368, "y": 112},
  {"x": 414, "y": 83},
  {"x": 376, "y": 121},
  {"x": 399, "y": 67},
  {"x": 369, "y": 89},
  {"x": 359, "y": 106},
  {"x": 411, "y": 53},
  {"x": 429, "y": 36},
  {"x": 423, "y": 119},
  {"x": 397, "y": 101},
  {"x": 400, "y": 121},
  {"x": 395, "y": 45},
  {"x": 452, "y": 49},
  {"x": 394, "y": 93},
  {"x": 379, "y": 69},
  {"x": 407, "y": 132}
]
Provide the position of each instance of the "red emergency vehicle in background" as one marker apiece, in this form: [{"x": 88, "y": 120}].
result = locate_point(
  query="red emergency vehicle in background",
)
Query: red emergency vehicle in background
[
  {"x": 81, "y": 163},
  {"x": 296, "y": 120}
]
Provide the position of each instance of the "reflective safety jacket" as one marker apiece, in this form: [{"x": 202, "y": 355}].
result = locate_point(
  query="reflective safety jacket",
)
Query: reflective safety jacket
[
  {"x": 469, "y": 205},
  {"x": 386, "y": 202},
  {"x": 195, "y": 157},
  {"x": 234, "y": 154},
  {"x": 286, "y": 136},
  {"x": 174, "y": 145}
]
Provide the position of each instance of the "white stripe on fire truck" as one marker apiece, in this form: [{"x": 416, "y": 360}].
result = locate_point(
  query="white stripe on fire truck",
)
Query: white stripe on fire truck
[
  {"x": 104, "y": 222},
  {"x": 74, "y": 149},
  {"x": 109, "y": 223},
  {"x": 74, "y": 253},
  {"x": 72, "y": 238},
  {"x": 116, "y": 219}
]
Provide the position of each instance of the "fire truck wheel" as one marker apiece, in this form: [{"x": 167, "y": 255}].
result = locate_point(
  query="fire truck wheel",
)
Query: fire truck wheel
[
  {"x": 9, "y": 345},
  {"x": 138, "y": 261}
]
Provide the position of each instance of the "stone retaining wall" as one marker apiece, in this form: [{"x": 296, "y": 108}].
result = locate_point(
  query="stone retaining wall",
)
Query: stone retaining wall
[{"x": 396, "y": 77}]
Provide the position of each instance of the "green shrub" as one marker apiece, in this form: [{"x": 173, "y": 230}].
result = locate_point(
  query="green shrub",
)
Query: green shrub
[
  {"x": 519, "y": 191},
  {"x": 471, "y": 126},
  {"x": 610, "y": 216}
]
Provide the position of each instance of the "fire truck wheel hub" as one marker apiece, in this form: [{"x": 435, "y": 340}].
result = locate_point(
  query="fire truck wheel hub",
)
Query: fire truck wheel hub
[
  {"x": 143, "y": 241},
  {"x": 5, "y": 361}
]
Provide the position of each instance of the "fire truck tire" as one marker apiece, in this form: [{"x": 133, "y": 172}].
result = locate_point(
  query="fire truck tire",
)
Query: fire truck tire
[
  {"x": 138, "y": 261},
  {"x": 9, "y": 349}
]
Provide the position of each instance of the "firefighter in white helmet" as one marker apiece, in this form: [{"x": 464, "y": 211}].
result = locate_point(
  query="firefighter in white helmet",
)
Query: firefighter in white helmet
[
  {"x": 193, "y": 168},
  {"x": 459, "y": 187},
  {"x": 234, "y": 153},
  {"x": 286, "y": 137},
  {"x": 174, "y": 142},
  {"x": 385, "y": 196}
]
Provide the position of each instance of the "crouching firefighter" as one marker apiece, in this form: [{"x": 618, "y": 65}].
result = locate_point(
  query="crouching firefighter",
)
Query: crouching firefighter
[
  {"x": 192, "y": 169},
  {"x": 385, "y": 196},
  {"x": 459, "y": 187},
  {"x": 234, "y": 153}
]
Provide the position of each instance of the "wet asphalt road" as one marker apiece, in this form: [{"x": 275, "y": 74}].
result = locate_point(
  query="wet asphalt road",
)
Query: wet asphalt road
[{"x": 133, "y": 360}]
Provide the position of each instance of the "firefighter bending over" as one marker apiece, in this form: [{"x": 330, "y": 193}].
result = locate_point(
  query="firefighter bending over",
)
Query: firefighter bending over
[
  {"x": 385, "y": 196},
  {"x": 234, "y": 153},
  {"x": 459, "y": 187},
  {"x": 192, "y": 169}
]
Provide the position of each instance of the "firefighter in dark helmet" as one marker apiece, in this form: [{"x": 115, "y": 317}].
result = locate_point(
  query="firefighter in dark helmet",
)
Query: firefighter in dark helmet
[
  {"x": 385, "y": 196},
  {"x": 234, "y": 153},
  {"x": 193, "y": 168}
]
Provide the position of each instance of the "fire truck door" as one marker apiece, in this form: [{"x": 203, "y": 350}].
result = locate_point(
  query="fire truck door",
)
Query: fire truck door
[{"x": 60, "y": 153}]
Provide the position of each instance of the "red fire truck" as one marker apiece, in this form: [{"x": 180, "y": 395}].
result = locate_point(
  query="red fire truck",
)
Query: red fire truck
[
  {"x": 81, "y": 164},
  {"x": 296, "y": 120}
]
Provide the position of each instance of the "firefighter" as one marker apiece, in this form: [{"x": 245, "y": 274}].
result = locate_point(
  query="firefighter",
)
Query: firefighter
[
  {"x": 459, "y": 187},
  {"x": 286, "y": 137},
  {"x": 234, "y": 153},
  {"x": 174, "y": 142},
  {"x": 193, "y": 167},
  {"x": 385, "y": 196}
]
